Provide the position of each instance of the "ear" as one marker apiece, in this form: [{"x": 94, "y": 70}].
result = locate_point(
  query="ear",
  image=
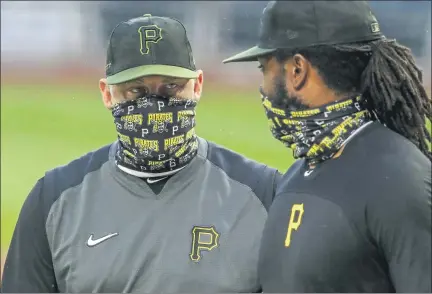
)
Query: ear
[
  {"x": 300, "y": 71},
  {"x": 106, "y": 93},
  {"x": 199, "y": 81}
]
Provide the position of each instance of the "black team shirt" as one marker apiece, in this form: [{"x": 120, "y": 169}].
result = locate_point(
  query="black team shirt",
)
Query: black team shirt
[{"x": 358, "y": 223}]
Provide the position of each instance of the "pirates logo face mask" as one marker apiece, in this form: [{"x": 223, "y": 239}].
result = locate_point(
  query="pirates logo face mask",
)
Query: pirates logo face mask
[
  {"x": 156, "y": 134},
  {"x": 318, "y": 133}
]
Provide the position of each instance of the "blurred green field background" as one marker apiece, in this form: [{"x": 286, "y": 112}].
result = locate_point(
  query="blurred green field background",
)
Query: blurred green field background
[{"x": 46, "y": 125}]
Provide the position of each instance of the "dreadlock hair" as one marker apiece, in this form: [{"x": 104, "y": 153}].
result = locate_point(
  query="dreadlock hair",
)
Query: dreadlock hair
[{"x": 386, "y": 75}]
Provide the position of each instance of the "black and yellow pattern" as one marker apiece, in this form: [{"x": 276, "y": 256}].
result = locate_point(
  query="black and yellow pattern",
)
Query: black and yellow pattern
[
  {"x": 316, "y": 134},
  {"x": 155, "y": 134}
]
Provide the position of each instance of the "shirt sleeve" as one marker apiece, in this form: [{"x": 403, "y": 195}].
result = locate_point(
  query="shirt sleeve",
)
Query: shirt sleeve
[
  {"x": 402, "y": 230},
  {"x": 28, "y": 266},
  {"x": 276, "y": 181},
  {"x": 269, "y": 185}
]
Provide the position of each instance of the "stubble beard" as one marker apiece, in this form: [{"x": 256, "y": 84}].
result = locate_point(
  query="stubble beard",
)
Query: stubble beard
[{"x": 283, "y": 99}]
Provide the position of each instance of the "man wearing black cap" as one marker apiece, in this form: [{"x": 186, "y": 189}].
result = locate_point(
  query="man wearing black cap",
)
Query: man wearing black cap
[
  {"x": 353, "y": 213},
  {"x": 161, "y": 210}
]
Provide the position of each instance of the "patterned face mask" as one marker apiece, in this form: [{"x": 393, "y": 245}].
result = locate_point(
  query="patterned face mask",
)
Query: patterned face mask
[
  {"x": 318, "y": 133},
  {"x": 156, "y": 134}
]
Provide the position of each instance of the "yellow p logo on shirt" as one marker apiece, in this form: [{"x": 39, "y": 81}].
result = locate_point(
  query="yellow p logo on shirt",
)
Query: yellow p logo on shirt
[
  {"x": 294, "y": 222},
  {"x": 203, "y": 238}
]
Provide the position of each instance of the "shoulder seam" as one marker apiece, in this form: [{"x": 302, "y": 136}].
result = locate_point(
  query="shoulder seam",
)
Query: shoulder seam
[
  {"x": 71, "y": 187},
  {"x": 55, "y": 188},
  {"x": 244, "y": 185}
]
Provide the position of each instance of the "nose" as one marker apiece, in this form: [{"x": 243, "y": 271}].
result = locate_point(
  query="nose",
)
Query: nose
[
  {"x": 154, "y": 89},
  {"x": 157, "y": 88}
]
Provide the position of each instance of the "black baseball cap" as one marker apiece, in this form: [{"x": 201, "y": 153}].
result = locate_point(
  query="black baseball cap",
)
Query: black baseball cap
[
  {"x": 300, "y": 24},
  {"x": 149, "y": 45}
]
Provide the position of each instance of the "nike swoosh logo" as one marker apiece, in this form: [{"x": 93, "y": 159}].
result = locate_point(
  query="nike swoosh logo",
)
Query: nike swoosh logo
[
  {"x": 92, "y": 243},
  {"x": 150, "y": 181},
  {"x": 308, "y": 172}
]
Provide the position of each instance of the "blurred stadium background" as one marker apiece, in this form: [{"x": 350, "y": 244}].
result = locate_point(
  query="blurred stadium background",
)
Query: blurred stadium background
[{"x": 53, "y": 54}]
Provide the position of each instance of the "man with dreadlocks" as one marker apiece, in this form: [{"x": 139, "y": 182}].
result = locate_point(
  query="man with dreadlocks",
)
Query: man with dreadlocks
[{"x": 353, "y": 213}]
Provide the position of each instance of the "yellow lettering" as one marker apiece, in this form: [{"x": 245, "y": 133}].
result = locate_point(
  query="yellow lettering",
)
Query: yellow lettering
[
  {"x": 194, "y": 145},
  {"x": 339, "y": 106},
  {"x": 157, "y": 117},
  {"x": 314, "y": 150},
  {"x": 190, "y": 134},
  {"x": 291, "y": 122},
  {"x": 181, "y": 151},
  {"x": 305, "y": 113},
  {"x": 328, "y": 142},
  {"x": 128, "y": 153},
  {"x": 294, "y": 223},
  {"x": 267, "y": 104},
  {"x": 340, "y": 129},
  {"x": 157, "y": 162},
  {"x": 173, "y": 141},
  {"x": 133, "y": 118},
  {"x": 288, "y": 138},
  {"x": 124, "y": 139},
  {"x": 277, "y": 122},
  {"x": 146, "y": 144},
  {"x": 184, "y": 113},
  {"x": 278, "y": 111}
]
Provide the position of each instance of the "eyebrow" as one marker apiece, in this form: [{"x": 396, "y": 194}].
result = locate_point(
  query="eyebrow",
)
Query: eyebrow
[
  {"x": 136, "y": 81},
  {"x": 173, "y": 79}
]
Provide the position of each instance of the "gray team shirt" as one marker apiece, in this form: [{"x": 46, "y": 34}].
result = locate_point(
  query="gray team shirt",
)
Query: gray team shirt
[{"x": 89, "y": 227}]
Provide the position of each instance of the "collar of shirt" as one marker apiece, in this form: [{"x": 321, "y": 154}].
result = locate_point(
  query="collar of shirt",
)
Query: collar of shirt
[{"x": 176, "y": 182}]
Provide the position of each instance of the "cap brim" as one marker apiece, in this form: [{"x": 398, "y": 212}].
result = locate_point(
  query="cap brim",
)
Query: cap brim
[
  {"x": 251, "y": 54},
  {"x": 151, "y": 70}
]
